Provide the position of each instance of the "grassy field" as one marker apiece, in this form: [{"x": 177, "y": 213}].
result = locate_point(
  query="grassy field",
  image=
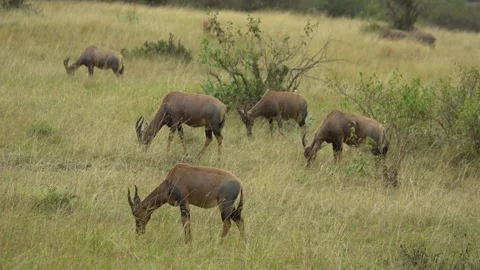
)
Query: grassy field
[{"x": 64, "y": 137}]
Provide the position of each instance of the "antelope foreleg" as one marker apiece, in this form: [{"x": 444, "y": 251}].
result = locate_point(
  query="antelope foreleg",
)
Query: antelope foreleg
[
  {"x": 270, "y": 123},
  {"x": 170, "y": 138},
  {"x": 280, "y": 125},
  {"x": 185, "y": 213},
  {"x": 180, "y": 134},
  {"x": 90, "y": 70},
  {"x": 337, "y": 147}
]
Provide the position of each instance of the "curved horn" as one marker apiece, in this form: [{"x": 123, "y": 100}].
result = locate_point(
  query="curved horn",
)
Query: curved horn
[
  {"x": 304, "y": 141},
  {"x": 138, "y": 128},
  {"x": 65, "y": 62},
  {"x": 136, "y": 198},
  {"x": 130, "y": 202}
]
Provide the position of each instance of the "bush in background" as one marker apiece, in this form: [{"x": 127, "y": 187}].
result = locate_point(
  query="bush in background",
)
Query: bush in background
[
  {"x": 418, "y": 116},
  {"x": 160, "y": 48},
  {"x": 244, "y": 62}
]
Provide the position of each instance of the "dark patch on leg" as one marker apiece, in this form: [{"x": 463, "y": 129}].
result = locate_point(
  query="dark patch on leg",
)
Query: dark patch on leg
[
  {"x": 185, "y": 214},
  {"x": 209, "y": 134}
]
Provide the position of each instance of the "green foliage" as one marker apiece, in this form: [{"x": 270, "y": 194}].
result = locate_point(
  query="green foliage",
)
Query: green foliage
[
  {"x": 130, "y": 16},
  {"x": 244, "y": 62},
  {"x": 53, "y": 201},
  {"x": 357, "y": 166},
  {"x": 371, "y": 26},
  {"x": 404, "y": 13},
  {"x": 160, "y": 48},
  {"x": 418, "y": 257},
  {"x": 416, "y": 115},
  {"x": 8, "y": 4},
  {"x": 40, "y": 130},
  {"x": 452, "y": 14},
  {"x": 459, "y": 110}
]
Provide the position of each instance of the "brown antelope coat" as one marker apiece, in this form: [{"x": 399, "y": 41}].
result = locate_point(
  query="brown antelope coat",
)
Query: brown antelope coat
[
  {"x": 394, "y": 34},
  {"x": 187, "y": 185},
  {"x": 277, "y": 105},
  {"x": 353, "y": 129},
  {"x": 95, "y": 57},
  {"x": 177, "y": 108}
]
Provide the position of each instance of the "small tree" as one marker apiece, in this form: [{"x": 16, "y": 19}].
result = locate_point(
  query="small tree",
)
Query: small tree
[
  {"x": 404, "y": 13},
  {"x": 244, "y": 62}
]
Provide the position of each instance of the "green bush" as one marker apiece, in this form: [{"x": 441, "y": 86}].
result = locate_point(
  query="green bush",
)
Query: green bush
[
  {"x": 417, "y": 116},
  {"x": 243, "y": 63},
  {"x": 459, "y": 111},
  {"x": 12, "y": 4},
  {"x": 40, "y": 130},
  {"x": 53, "y": 201},
  {"x": 160, "y": 48}
]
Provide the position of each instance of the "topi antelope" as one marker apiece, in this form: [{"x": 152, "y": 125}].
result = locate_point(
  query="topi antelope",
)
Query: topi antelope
[
  {"x": 394, "y": 34},
  {"x": 195, "y": 110},
  {"x": 423, "y": 37},
  {"x": 207, "y": 26},
  {"x": 204, "y": 187},
  {"x": 352, "y": 129},
  {"x": 95, "y": 57},
  {"x": 277, "y": 105}
]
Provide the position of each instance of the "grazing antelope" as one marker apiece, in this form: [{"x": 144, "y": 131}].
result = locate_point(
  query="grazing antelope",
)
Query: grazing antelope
[
  {"x": 277, "y": 105},
  {"x": 394, "y": 34},
  {"x": 423, "y": 37},
  {"x": 204, "y": 187},
  {"x": 352, "y": 129},
  {"x": 95, "y": 57},
  {"x": 207, "y": 26},
  {"x": 195, "y": 110}
]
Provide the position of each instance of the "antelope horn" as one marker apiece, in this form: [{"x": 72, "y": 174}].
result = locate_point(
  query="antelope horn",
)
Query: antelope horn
[
  {"x": 138, "y": 128},
  {"x": 304, "y": 141},
  {"x": 65, "y": 62},
  {"x": 130, "y": 200},
  {"x": 136, "y": 199}
]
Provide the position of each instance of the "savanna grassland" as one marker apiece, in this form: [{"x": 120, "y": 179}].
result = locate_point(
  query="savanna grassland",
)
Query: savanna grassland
[{"x": 73, "y": 139}]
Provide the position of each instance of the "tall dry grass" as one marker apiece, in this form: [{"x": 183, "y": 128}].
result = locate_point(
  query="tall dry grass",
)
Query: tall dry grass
[{"x": 74, "y": 135}]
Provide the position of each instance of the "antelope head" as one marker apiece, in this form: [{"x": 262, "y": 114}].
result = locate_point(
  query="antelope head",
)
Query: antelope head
[
  {"x": 65, "y": 63},
  {"x": 140, "y": 222},
  {"x": 141, "y": 126},
  {"x": 307, "y": 150},
  {"x": 247, "y": 120}
]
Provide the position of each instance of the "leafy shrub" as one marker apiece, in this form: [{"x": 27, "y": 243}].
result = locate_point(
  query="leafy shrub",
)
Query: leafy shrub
[
  {"x": 160, "y": 48},
  {"x": 459, "y": 111},
  {"x": 13, "y": 4},
  {"x": 417, "y": 116},
  {"x": 404, "y": 13},
  {"x": 52, "y": 201},
  {"x": 418, "y": 257},
  {"x": 40, "y": 130},
  {"x": 245, "y": 62}
]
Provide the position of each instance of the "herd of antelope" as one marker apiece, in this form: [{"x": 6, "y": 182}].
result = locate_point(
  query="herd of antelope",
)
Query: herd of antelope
[{"x": 207, "y": 187}]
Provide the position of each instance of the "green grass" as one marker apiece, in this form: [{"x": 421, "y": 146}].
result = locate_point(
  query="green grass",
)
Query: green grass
[{"x": 73, "y": 137}]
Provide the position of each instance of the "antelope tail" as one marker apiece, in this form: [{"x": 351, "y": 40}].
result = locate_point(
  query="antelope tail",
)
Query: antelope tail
[{"x": 237, "y": 213}]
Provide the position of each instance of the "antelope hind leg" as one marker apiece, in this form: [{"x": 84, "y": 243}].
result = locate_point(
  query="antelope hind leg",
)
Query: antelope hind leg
[{"x": 209, "y": 138}]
